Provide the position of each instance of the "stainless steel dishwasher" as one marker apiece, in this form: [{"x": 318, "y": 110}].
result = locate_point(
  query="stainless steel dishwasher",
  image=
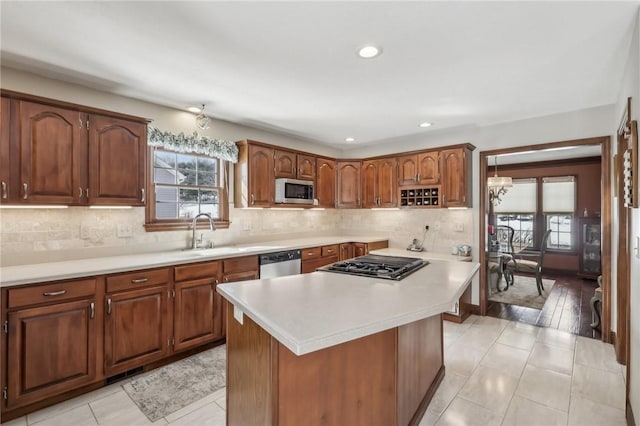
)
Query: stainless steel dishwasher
[{"x": 280, "y": 264}]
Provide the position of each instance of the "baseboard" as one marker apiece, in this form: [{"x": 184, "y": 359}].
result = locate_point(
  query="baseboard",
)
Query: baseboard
[
  {"x": 612, "y": 338},
  {"x": 474, "y": 309},
  {"x": 631, "y": 421}
]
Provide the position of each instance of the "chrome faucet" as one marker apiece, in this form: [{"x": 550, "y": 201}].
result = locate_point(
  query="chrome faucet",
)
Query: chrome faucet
[{"x": 194, "y": 242}]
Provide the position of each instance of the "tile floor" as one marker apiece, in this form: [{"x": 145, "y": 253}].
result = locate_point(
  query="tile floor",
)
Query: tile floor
[{"x": 499, "y": 372}]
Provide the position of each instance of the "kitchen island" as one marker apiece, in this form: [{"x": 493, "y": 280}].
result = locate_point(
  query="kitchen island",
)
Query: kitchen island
[{"x": 325, "y": 348}]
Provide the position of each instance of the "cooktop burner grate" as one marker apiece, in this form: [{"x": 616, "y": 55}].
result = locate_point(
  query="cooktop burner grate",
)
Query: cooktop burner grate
[{"x": 386, "y": 267}]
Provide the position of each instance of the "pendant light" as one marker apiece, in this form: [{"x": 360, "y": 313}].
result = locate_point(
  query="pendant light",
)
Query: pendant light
[
  {"x": 202, "y": 121},
  {"x": 498, "y": 185}
]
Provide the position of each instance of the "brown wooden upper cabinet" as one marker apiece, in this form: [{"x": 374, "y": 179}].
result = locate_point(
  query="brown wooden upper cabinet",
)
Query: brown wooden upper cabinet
[
  {"x": 5, "y": 111},
  {"x": 379, "y": 183},
  {"x": 288, "y": 164},
  {"x": 62, "y": 154},
  {"x": 325, "y": 182},
  {"x": 419, "y": 169},
  {"x": 348, "y": 184},
  {"x": 456, "y": 176},
  {"x": 117, "y": 161},
  {"x": 254, "y": 176}
]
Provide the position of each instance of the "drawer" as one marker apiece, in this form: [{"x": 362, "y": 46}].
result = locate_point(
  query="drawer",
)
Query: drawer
[
  {"x": 240, "y": 264},
  {"x": 311, "y": 265},
  {"x": 330, "y": 250},
  {"x": 196, "y": 270},
  {"x": 137, "y": 279},
  {"x": 51, "y": 293},
  {"x": 311, "y": 253}
]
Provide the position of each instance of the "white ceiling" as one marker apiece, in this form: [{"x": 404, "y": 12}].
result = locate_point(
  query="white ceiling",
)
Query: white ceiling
[{"x": 292, "y": 66}]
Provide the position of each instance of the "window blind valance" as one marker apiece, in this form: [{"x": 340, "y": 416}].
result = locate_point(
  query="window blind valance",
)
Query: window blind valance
[{"x": 217, "y": 148}]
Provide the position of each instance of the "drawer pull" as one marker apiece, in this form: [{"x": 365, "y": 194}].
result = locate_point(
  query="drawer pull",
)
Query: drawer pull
[
  {"x": 139, "y": 280},
  {"x": 310, "y": 254},
  {"x": 330, "y": 250},
  {"x": 54, "y": 293},
  {"x": 92, "y": 308},
  {"x": 109, "y": 306}
]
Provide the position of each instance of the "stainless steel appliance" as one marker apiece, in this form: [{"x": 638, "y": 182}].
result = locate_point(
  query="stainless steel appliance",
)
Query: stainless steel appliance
[
  {"x": 371, "y": 265},
  {"x": 294, "y": 191},
  {"x": 280, "y": 264}
]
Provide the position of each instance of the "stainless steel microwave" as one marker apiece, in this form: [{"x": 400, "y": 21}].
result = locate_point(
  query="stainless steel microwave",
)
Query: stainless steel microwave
[{"x": 294, "y": 191}]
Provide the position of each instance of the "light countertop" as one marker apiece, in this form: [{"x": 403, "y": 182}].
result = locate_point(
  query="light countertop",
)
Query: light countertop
[
  {"x": 53, "y": 271},
  {"x": 313, "y": 311}
]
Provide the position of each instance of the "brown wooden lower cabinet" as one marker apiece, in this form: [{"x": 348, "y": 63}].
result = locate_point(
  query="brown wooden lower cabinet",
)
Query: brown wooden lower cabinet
[
  {"x": 269, "y": 385},
  {"x": 197, "y": 315},
  {"x": 51, "y": 349},
  {"x": 136, "y": 328},
  {"x": 462, "y": 308}
]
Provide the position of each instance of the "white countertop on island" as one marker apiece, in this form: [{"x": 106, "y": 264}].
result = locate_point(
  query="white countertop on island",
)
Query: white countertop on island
[
  {"x": 313, "y": 311},
  {"x": 53, "y": 271}
]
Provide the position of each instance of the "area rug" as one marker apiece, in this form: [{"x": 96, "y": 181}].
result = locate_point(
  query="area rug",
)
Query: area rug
[
  {"x": 524, "y": 292},
  {"x": 160, "y": 392}
]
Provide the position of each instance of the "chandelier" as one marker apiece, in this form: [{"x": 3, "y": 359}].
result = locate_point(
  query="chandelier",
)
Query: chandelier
[
  {"x": 498, "y": 185},
  {"x": 202, "y": 121}
]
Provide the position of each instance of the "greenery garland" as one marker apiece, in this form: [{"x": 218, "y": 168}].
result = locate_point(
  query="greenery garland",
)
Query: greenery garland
[{"x": 216, "y": 148}]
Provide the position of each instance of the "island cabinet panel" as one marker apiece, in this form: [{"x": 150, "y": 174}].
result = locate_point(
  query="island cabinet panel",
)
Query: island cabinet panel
[
  {"x": 117, "y": 161},
  {"x": 197, "y": 317},
  {"x": 420, "y": 365},
  {"x": 325, "y": 182},
  {"x": 267, "y": 384},
  {"x": 137, "y": 321},
  {"x": 51, "y": 349}
]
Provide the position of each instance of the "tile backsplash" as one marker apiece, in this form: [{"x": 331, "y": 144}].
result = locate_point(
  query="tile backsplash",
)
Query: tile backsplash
[{"x": 35, "y": 236}]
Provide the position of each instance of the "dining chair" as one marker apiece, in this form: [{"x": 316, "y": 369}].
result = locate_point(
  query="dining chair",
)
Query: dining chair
[
  {"x": 531, "y": 266},
  {"x": 504, "y": 236}
]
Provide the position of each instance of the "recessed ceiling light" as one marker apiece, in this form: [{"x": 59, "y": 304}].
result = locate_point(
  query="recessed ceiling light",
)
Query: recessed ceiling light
[
  {"x": 193, "y": 109},
  {"x": 368, "y": 52},
  {"x": 426, "y": 124},
  {"x": 350, "y": 139}
]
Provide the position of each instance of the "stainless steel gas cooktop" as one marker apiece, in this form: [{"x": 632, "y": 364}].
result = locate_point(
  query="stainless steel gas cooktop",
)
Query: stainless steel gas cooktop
[{"x": 376, "y": 266}]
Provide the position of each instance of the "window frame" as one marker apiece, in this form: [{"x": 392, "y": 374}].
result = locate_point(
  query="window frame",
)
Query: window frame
[{"x": 153, "y": 224}]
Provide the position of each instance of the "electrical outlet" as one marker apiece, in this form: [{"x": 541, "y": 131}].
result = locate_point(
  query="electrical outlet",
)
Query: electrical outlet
[
  {"x": 458, "y": 227},
  {"x": 124, "y": 231},
  {"x": 426, "y": 227},
  {"x": 436, "y": 226}
]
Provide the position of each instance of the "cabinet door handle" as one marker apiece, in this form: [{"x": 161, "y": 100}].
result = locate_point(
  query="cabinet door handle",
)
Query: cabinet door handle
[
  {"x": 144, "y": 196},
  {"x": 86, "y": 192},
  {"x": 80, "y": 120},
  {"x": 92, "y": 309},
  {"x": 418, "y": 177},
  {"x": 4, "y": 190},
  {"x": 139, "y": 280},
  {"x": 25, "y": 189},
  {"x": 54, "y": 293},
  {"x": 253, "y": 199},
  {"x": 109, "y": 306},
  {"x": 226, "y": 279},
  {"x": 217, "y": 282},
  {"x": 80, "y": 192}
]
